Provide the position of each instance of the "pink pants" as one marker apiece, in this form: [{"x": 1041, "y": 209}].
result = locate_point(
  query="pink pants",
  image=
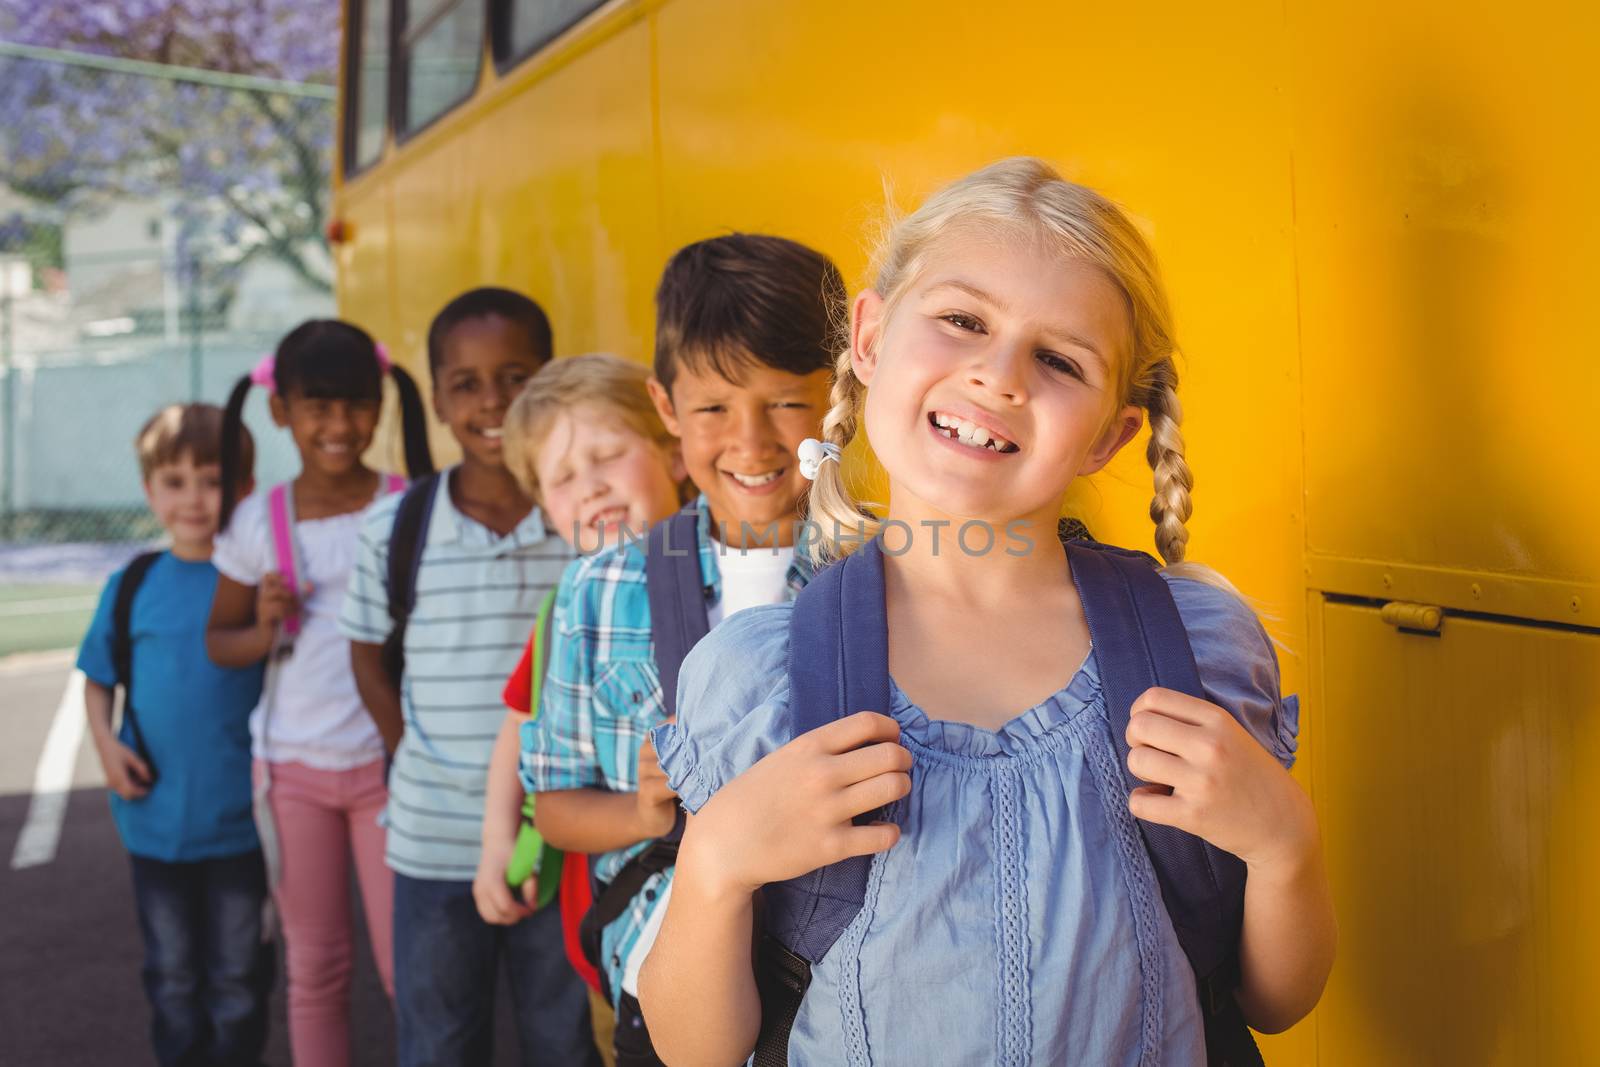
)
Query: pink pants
[{"x": 324, "y": 818}]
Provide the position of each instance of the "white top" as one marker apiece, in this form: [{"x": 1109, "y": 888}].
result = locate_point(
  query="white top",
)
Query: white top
[
  {"x": 750, "y": 578},
  {"x": 317, "y": 717},
  {"x": 477, "y": 594}
]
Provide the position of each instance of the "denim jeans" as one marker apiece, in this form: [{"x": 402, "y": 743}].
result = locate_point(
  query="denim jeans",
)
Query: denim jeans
[
  {"x": 206, "y": 971},
  {"x": 445, "y": 961}
]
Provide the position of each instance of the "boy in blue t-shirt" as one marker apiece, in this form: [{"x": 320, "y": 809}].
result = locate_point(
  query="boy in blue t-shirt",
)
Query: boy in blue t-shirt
[{"x": 179, "y": 767}]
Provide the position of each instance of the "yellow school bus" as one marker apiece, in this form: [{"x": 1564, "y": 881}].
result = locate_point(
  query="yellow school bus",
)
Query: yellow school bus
[{"x": 1377, "y": 224}]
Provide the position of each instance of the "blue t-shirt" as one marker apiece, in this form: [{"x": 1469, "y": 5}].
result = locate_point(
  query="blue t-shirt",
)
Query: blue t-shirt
[
  {"x": 1018, "y": 920},
  {"x": 194, "y": 716}
]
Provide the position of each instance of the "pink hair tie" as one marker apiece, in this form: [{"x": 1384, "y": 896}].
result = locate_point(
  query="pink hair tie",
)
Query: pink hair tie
[
  {"x": 384, "y": 362},
  {"x": 265, "y": 373}
]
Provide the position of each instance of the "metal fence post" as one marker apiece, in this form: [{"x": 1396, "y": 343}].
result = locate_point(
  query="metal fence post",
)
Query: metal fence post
[
  {"x": 195, "y": 327},
  {"x": 8, "y": 408}
]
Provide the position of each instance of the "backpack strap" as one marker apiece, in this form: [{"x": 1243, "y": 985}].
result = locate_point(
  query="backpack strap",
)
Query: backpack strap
[
  {"x": 678, "y": 620},
  {"x": 408, "y": 537},
  {"x": 677, "y": 592},
  {"x": 280, "y": 514},
  {"x": 122, "y": 644},
  {"x": 1131, "y": 611},
  {"x": 1134, "y": 621},
  {"x": 838, "y": 665},
  {"x": 541, "y": 652}
]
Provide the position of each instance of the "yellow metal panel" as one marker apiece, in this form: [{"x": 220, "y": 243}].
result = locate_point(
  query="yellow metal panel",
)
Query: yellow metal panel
[
  {"x": 546, "y": 184},
  {"x": 565, "y": 159},
  {"x": 366, "y": 207},
  {"x": 1462, "y": 854},
  {"x": 1566, "y": 602},
  {"x": 1444, "y": 161}
]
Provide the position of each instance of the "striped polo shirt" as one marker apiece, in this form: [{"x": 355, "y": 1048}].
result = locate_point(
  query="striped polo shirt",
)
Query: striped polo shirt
[{"x": 477, "y": 596}]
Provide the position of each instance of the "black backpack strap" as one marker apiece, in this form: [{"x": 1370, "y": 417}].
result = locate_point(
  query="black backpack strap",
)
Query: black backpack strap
[
  {"x": 407, "y": 539},
  {"x": 1131, "y": 613},
  {"x": 1229, "y": 1042},
  {"x": 122, "y": 644},
  {"x": 677, "y": 593},
  {"x": 612, "y": 898},
  {"x": 838, "y": 665}
]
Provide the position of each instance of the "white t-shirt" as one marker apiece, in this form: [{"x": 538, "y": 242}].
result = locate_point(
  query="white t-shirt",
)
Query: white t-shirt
[
  {"x": 750, "y": 577},
  {"x": 317, "y": 717}
]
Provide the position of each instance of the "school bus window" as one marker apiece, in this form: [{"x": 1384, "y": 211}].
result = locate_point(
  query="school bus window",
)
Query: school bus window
[
  {"x": 443, "y": 51},
  {"x": 522, "y": 27},
  {"x": 368, "y": 96}
]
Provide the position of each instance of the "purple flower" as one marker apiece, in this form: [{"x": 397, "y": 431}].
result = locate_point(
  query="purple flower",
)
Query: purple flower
[{"x": 75, "y": 136}]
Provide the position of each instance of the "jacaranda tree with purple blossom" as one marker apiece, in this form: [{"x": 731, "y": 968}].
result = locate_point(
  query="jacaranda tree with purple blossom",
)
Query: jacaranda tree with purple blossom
[{"x": 249, "y": 165}]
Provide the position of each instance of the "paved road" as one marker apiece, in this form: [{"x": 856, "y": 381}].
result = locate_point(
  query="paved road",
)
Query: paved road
[{"x": 69, "y": 940}]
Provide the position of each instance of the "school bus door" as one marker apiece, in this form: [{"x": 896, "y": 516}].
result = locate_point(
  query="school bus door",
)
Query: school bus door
[{"x": 1461, "y": 845}]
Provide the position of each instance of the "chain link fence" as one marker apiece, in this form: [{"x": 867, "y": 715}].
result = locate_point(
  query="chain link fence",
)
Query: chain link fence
[{"x": 71, "y": 410}]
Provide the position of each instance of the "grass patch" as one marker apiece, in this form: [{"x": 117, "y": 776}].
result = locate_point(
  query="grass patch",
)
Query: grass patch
[{"x": 37, "y": 618}]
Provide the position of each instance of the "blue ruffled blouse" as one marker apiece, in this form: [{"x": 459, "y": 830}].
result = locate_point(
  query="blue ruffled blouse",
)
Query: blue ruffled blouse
[{"x": 1018, "y": 920}]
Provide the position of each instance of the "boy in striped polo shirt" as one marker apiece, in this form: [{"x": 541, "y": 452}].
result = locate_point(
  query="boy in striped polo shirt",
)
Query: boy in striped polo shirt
[
  {"x": 742, "y": 372},
  {"x": 487, "y": 562}
]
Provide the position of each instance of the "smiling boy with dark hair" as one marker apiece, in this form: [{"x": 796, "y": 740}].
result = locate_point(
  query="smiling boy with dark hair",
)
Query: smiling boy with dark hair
[{"x": 742, "y": 372}]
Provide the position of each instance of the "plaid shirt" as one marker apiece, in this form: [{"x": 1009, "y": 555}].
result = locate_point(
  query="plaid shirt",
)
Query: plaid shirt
[{"x": 602, "y": 697}]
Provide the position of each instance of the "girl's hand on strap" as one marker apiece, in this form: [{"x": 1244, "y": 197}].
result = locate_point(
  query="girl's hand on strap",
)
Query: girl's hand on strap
[
  {"x": 275, "y": 601},
  {"x": 1211, "y": 778},
  {"x": 791, "y": 813}
]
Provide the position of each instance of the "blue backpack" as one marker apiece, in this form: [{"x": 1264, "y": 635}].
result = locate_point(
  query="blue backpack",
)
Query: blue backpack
[
  {"x": 677, "y": 594},
  {"x": 838, "y": 663}
]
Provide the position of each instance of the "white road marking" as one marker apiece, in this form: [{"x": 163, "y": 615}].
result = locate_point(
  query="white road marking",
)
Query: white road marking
[
  {"x": 38, "y": 662},
  {"x": 52, "y": 781}
]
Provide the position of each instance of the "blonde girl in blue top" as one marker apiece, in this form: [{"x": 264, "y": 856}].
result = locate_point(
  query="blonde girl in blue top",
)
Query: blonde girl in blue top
[{"x": 1017, "y": 337}]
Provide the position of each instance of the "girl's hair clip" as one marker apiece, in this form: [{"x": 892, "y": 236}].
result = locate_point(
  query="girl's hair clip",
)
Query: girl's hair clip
[
  {"x": 813, "y": 453},
  {"x": 384, "y": 362},
  {"x": 264, "y": 373}
]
